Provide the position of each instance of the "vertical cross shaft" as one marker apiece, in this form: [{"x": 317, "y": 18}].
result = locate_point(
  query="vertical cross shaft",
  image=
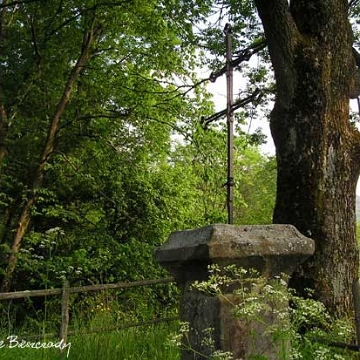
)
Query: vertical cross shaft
[{"x": 230, "y": 124}]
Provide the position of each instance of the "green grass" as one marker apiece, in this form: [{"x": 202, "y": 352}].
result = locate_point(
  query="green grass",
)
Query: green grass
[
  {"x": 145, "y": 343},
  {"x": 141, "y": 343}
]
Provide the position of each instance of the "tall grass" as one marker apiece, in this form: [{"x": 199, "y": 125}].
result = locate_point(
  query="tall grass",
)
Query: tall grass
[{"x": 147, "y": 343}]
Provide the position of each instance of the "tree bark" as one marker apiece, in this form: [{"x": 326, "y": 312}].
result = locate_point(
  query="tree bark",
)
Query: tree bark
[
  {"x": 25, "y": 216},
  {"x": 317, "y": 149}
]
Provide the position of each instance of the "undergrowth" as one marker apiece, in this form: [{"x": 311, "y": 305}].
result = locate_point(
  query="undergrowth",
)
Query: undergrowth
[
  {"x": 295, "y": 327},
  {"x": 143, "y": 343}
]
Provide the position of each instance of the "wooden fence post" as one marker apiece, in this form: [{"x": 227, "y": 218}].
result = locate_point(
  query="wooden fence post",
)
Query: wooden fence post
[{"x": 64, "y": 313}]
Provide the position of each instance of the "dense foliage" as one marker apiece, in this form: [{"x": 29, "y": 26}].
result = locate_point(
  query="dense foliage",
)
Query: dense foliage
[
  {"x": 102, "y": 148},
  {"x": 102, "y": 152}
]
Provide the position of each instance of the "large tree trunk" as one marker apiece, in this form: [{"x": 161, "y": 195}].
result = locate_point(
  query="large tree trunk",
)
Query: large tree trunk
[
  {"x": 25, "y": 216},
  {"x": 317, "y": 149}
]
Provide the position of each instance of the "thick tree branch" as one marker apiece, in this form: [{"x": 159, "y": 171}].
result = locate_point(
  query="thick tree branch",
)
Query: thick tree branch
[
  {"x": 25, "y": 217},
  {"x": 282, "y": 36},
  {"x": 89, "y": 39}
]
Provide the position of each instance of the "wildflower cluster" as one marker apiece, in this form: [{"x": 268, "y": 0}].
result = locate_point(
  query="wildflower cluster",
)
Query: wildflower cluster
[
  {"x": 297, "y": 329},
  {"x": 101, "y": 308},
  {"x": 181, "y": 341},
  {"x": 222, "y": 279}
]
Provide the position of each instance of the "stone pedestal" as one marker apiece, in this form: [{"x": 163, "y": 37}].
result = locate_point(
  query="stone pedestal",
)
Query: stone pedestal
[{"x": 269, "y": 249}]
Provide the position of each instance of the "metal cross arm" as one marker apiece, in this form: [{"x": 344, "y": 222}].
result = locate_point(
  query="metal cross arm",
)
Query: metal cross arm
[
  {"x": 254, "y": 97},
  {"x": 231, "y": 106},
  {"x": 243, "y": 55}
]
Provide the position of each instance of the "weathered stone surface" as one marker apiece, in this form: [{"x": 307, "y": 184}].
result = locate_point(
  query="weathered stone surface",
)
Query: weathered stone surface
[
  {"x": 270, "y": 249},
  {"x": 187, "y": 253},
  {"x": 201, "y": 312}
]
